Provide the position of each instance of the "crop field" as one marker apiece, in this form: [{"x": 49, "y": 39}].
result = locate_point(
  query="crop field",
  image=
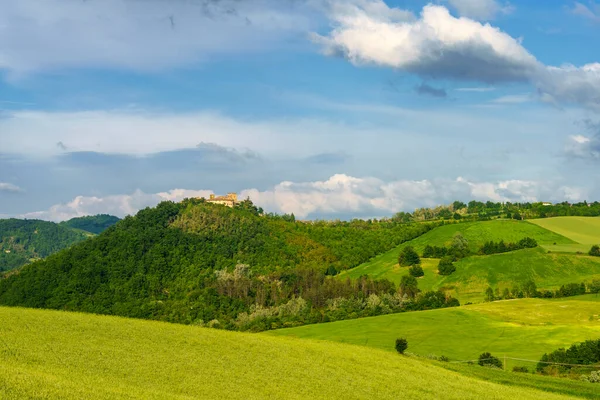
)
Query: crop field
[
  {"x": 475, "y": 273},
  {"x": 585, "y": 231},
  {"x": 525, "y": 328},
  {"x": 60, "y": 355}
]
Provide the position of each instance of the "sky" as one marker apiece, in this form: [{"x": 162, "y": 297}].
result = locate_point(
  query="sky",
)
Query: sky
[{"x": 321, "y": 108}]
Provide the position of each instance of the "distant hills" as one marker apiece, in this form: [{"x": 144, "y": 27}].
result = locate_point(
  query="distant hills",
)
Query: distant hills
[{"x": 24, "y": 241}]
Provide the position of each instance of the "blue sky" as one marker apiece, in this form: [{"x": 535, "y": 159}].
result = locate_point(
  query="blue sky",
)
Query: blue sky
[{"x": 323, "y": 108}]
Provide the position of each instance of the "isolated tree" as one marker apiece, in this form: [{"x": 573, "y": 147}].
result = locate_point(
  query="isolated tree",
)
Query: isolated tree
[
  {"x": 409, "y": 286},
  {"x": 446, "y": 266},
  {"x": 489, "y": 294},
  {"x": 460, "y": 246},
  {"x": 488, "y": 360},
  {"x": 416, "y": 271},
  {"x": 408, "y": 256},
  {"x": 595, "y": 251},
  {"x": 401, "y": 345}
]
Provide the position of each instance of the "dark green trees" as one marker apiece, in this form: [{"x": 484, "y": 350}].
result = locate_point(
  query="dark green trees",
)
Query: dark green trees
[
  {"x": 416, "y": 271},
  {"x": 408, "y": 256},
  {"x": 446, "y": 266},
  {"x": 595, "y": 251},
  {"x": 409, "y": 286},
  {"x": 488, "y": 360},
  {"x": 401, "y": 345}
]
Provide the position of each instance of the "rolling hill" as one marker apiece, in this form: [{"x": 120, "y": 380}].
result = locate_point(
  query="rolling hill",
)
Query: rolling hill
[
  {"x": 584, "y": 231},
  {"x": 475, "y": 273},
  {"x": 25, "y": 241},
  {"x": 523, "y": 328},
  {"x": 60, "y": 355}
]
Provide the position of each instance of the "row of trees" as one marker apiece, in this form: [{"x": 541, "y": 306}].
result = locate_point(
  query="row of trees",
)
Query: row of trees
[
  {"x": 529, "y": 290},
  {"x": 492, "y": 247}
]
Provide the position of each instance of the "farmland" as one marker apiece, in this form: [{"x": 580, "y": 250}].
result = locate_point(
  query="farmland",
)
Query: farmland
[{"x": 50, "y": 354}]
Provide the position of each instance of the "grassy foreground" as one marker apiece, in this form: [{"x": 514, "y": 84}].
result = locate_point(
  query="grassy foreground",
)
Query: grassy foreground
[
  {"x": 59, "y": 355},
  {"x": 525, "y": 328}
]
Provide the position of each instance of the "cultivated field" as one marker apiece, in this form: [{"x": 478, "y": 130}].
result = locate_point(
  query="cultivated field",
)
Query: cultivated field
[
  {"x": 58, "y": 355},
  {"x": 475, "y": 273},
  {"x": 585, "y": 231},
  {"x": 525, "y": 328}
]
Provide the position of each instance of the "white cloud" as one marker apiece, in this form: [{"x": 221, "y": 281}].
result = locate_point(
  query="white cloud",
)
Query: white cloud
[
  {"x": 513, "y": 99},
  {"x": 119, "y": 205},
  {"x": 571, "y": 84},
  {"x": 480, "y": 9},
  {"x": 475, "y": 89},
  {"x": 9, "y": 187},
  {"x": 138, "y": 34},
  {"x": 437, "y": 44}
]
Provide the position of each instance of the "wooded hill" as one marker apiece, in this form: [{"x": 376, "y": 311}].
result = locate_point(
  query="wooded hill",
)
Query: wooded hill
[
  {"x": 195, "y": 262},
  {"x": 23, "y": 241}
]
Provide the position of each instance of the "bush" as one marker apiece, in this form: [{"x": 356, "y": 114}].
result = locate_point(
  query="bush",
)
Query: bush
[
  {"x": 520, "y": 369},
  {"x": 444, "y": 359},
  {"x": 446, "y": 266},
  {"x": 416, "y": 271},
  {"x": 488, "y": 360},
  {"x": 595, "y": 251},
  {"x": 408, "y": 256},
  {"x": 401, "y": 345}
]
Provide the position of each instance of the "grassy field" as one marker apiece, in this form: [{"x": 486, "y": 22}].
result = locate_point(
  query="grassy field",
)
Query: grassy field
[
  {"x": 58, "y": 355},
  {"x": 475, "y": 273},
  {"x": 585, "y": 231},
  {"x": 525, "y": 328}
]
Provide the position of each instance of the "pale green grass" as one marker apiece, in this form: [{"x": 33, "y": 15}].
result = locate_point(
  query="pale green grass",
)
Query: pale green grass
[
  {"x": 525, "y": 328},
  {"x": 58, "y": 355},
  {"x": 583, "y": 230}
]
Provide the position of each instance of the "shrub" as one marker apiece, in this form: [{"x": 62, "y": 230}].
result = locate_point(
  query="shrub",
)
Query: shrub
[
  {"x": 595, "y": 251},
  {"x": 444, "y": 359},
  {"x": 408, "y": 256},
  {"x": 401, "y": 345},
  {"x": 416, "y": 271},
  {"x": 446, "y": 266},
  {"x": 488, "y": 360},
  {"x": 520, "y": 368}
]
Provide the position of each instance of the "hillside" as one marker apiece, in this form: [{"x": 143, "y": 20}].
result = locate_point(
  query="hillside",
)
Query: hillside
[
  {"x": 94, "y": 223},
  {"x": 59, "y": 355},
  {"x": 23, "y": 241},
  {"x": 475, "y": 273},
  {"x": 523, "y": 328},
  {"x": 584, "y": 231},
  {"x": 195, "y": 262}
]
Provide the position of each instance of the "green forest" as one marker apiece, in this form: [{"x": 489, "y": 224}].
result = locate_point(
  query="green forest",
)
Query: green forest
[
  {"x": 93, "y": 223},
  {"x": 195, "y": 262}
]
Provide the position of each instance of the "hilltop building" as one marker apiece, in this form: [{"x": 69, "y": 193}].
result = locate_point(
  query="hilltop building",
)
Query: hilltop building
[{"x": 228, "y": 200}]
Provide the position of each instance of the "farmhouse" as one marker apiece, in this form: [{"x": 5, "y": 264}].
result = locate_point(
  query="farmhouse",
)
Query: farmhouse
[{"x": 228, "y": 200}]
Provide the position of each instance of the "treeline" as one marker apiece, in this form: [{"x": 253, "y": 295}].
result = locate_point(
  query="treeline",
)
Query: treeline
[
  {"x": 577, "y": 356},
  {"x": 492, "y": 247},
  {"x": 94, "y": 223},
  {"x": 480, "y": 211},
  {"x": 529, "y": 290},
  {"x": 195, "y": 262}
]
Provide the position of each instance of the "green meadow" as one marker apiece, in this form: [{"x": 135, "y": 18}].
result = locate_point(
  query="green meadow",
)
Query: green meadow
[
  {"x": 524, "y": 328},
  {"x": 60, "y": 355},
  {"x": 474, "y": 274},
  {"x": 585, "y": 231}
]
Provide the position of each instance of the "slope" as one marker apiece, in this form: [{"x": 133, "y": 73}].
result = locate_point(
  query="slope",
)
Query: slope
[
  {"x": 52, "y": 355},
  {"x": 194, "y": 261},
  {"x": 583, "y": 230},
  {"x": 23, "y": 241},
  {"x": 94, "y": 223},
  {"x": 475, "y": 273},
  {"x": 524, "y": 328}
]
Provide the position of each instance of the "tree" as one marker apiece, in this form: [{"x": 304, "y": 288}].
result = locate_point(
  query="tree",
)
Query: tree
[
  {"x": 530, "y": 289},
  {"x": 458, "y": 205},
  {"x": 488, "y": 360},
  {"x": 595, "y": 251},
  {"x": 489, "y": 294},
  {"x": 595, "y": 286},
  {"x": 446, "y": 266},
  {"x": 408, "y": 256},
  {"x": 416, "y": 271},
  {"x": 401, "y": 345},
  {"x": 460, "y": 246},
  {"x": 409, "y": 286}
]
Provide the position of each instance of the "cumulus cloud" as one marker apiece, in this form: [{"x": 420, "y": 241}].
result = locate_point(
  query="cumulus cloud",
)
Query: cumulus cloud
[
  {"x": 480, "y": 9},
  {"x": 139, "y": 34},
  {"x": 435, "y": 45},
  {"x": 9, "y": 188},
  {"x": 571, "y": 84},
  {"x": 119, "y": 205}
]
